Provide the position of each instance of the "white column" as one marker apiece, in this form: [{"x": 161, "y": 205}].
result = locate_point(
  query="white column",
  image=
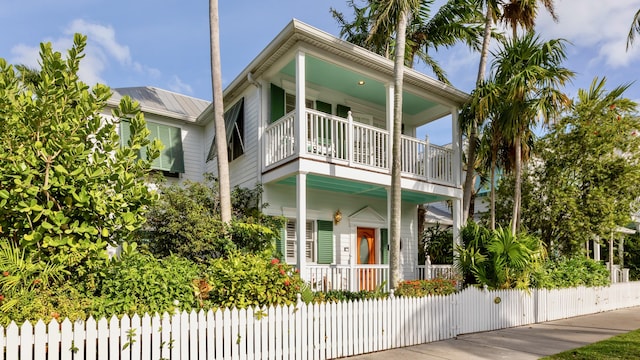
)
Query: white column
[
  {"x": 301, "y": 225},
  {"x": 301, "y": 120},
  {"x": 389, "y": 114},
  {"x": 456, "y": 146},
  {"x": 596, "y": 249},
  {"x": 457, "y": 223}
]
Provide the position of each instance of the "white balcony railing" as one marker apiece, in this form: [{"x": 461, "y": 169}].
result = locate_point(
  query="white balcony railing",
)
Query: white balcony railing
[{"x": 339, "y": 140}]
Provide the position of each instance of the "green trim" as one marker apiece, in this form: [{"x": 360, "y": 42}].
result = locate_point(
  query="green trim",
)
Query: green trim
[
  {"x": 277, "y": 103},
  {"x": 325, "y": 242},
  {"x": 280, "y": 243},
  {"x": 384, "y": 246}
]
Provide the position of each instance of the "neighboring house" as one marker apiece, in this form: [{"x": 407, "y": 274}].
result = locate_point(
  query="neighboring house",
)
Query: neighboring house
[
  {"x": 172, "y": 118},
  {"x": 330, "y": 173}
]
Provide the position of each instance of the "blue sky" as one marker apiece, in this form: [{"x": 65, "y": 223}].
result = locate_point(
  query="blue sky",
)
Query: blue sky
[{"x": 166, "y": 43}]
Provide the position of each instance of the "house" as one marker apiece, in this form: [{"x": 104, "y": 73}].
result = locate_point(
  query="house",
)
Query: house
[{"x": 309, "y": 118}]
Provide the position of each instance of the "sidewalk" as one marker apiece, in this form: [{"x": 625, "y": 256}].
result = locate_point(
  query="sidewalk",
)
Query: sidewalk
[{"x": 525, "y": 342}]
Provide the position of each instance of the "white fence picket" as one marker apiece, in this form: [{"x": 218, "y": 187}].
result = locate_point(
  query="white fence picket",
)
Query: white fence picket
[{"x": 301, "y": 331}]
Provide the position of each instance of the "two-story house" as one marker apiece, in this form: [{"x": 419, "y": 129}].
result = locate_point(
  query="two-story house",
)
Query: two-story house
[{"x": 310, "y": 119}]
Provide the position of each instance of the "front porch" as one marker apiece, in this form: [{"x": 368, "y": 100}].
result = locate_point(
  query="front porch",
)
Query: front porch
[
  {"x": 367, "y": 276},
  {"x": 342, "y": 141}
]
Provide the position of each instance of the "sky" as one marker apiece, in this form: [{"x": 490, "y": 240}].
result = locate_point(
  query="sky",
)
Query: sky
[{"x": 166, "y": 43}]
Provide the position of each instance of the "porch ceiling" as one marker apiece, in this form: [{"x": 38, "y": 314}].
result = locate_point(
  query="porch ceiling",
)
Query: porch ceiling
[
  {"x": 337, "y": 78},
  {"x": 351, "y": 187}
]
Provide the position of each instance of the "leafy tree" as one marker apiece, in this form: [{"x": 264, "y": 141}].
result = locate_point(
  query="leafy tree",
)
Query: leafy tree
[
  {"x": 67, "y": 186},
  {"x": 186, "y": 221}
]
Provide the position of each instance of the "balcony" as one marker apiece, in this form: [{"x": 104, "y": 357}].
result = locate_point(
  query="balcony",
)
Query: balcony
[{"x": 344, "y": 142}]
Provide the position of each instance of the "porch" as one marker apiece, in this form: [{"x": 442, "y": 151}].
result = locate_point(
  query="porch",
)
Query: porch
[
  {"x": 342, "y": 141},
  {"x": 367, "y": 276}
]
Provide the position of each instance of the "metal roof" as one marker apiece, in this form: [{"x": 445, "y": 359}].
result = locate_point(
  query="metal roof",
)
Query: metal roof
[{"x": 162, "y": 102}]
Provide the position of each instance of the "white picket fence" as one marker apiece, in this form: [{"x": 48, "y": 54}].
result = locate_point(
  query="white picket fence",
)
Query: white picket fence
[{"x": 318, "y": 331}]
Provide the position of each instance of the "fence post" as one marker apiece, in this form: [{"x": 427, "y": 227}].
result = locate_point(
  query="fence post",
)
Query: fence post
[{"x": 427, "y": 268}]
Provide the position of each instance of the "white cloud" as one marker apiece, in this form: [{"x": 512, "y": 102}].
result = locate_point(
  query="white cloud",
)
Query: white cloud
[
  {"x": 600, "y": 25},
  {"x": 101, "y": 51},
  {"x": 180, "y": 87}
]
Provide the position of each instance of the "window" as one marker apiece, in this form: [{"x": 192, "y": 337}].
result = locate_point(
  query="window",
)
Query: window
[
  {"x": 171, "y": 159},
  {"x": 234, "y": 127},
  {"x": 319, "y": 241},
  {"x": 291, "y": 243},
  {"x": 290, "y": 103}
]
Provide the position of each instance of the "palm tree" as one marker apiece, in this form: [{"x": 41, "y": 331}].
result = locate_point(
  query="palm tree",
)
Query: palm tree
[
  {"x": 455, "y": 21},
  {"x": 514, "y": 13},
  {"x": 385, "y": 15},
  {"x": 527, "y": 76},
  {"x": 218, "y": 113},
  {"x": 635, "y": 29}
]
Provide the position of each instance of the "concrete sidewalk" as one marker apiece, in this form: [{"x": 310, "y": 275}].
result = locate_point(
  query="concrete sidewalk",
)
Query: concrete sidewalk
[{"x": 525, "y": 342}]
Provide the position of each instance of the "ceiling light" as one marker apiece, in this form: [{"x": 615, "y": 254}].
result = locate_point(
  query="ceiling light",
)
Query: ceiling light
[{"x": 361, "y": 82}]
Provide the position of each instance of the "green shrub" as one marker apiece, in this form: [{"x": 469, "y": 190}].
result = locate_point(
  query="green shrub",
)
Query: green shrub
[
  {"x": 420, "y": 288},
  {"x": 438, "y": 244},
  {"x": 243, "y": 280},
  {"x": 571, "y": 272},
  {"x": 345, "y": 295},
  {"x": 139, "y": 283}
]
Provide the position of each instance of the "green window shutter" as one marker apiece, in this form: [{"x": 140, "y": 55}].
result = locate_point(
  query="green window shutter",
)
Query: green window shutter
[
  {"x": 277, "y": 103},
  {"x": 280, "y": 250},
  {"x": 171, "y": 158},
  {"x": 342, "y": 110},
  {"x": 384, "y": 245},
  {"x": 325, "y": 242},
  {"x": 323, "y": 106}
]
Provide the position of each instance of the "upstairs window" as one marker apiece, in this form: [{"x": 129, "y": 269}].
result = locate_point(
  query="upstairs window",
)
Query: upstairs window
[
  {"x": 234, "y": 127},
  {"x": 171, "y": 159}
]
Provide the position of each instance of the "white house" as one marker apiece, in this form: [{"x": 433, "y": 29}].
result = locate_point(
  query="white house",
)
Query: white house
[{"x": 310, "y": 119}]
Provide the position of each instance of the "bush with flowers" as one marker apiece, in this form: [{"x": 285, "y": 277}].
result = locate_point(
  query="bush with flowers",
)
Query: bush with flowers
[
  {"x": 419, "y": 288},
  {"x": 242, "y": 280}
]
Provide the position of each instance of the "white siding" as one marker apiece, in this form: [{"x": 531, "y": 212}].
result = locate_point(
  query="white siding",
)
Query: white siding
[{"x": 323, "y": 204}]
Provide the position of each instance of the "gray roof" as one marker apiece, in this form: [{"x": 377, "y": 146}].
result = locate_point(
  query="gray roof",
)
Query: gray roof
[{"x": 162, "y": 102}]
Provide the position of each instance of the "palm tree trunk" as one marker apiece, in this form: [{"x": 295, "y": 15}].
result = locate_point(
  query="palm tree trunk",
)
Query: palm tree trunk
[
  {"x": 218, "y": 111},
  {"x": 517, "y": 191},
  {"x": 396, "y": 191},
  {"x": 473, "y": 134},
  {"x": 493, "y": 192}
]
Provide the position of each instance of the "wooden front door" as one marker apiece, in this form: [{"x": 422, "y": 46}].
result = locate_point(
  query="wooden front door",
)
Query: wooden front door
[{"x": 366, "y": 251}]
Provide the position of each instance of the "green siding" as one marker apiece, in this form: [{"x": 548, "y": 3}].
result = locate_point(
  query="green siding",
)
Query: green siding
[
  {"x": 325, "y": 242},
  {"x": 384, "y": 245},
  {"x": 277, "y": 103}
]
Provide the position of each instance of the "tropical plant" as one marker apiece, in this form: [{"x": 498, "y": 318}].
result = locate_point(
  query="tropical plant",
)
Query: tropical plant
[
  {"x": 498, "y": 259},
  {"x": 514, "y": 13},
  {"x": 218, "y": 113},
  {"x": 635, "y": 29},
  {"x": 524, "y": 87},
  {"x": 566, "y": 272},
  {"x": 455, "y": 21},
  {"x": 67, "y": 185},
  {"x": 437, "y": 243}
]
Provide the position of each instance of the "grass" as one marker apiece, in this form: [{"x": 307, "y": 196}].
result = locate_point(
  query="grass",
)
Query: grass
[{"x": 625, "y": 346}]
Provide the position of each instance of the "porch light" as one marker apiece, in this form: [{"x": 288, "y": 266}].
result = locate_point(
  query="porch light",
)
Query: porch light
[
  {"x": 361, "y": 82},
  {"x": 337, "y": 217}
]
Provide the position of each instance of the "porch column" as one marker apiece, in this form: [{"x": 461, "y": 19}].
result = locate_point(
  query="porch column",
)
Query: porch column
[
  {"x": 389, "y": 115},
  {"x": 301, "y": 225},
  {"x": 456, "y": 142},
  {"x": 301, "y": 123},
  {"x": 457, "y": 223},
  {"x": 596, "y": 249}
]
